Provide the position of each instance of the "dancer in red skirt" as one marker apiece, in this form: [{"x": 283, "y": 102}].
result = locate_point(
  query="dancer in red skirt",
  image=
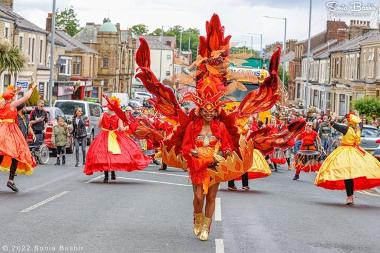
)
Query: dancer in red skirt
[
  {"x": 303, "y": 161},
  {"x": 112, "y": 150},
  {"x": 15, "y": 156}
]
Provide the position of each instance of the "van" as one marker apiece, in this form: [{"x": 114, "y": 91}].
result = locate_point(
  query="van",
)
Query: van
[{"x": 91, "y": 114}]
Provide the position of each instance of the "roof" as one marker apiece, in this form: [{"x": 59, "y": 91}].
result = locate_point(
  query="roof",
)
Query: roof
[
  {"x": 71, "y": 43},
  {"x": 20, "y": 21},
  {"x": 88, "y": 34},
  {"x": 108, "y": 27},
  {"x": 288, "y": 57},
  {"x": 371, "y": 39},
  {"x": 154, "y": 42},
  {"x": 353, "y": 44}
]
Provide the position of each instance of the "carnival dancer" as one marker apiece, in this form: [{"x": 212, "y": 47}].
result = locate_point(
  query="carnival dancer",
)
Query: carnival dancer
[
  {"x": 15, "y": 156},
  {"x": 278, "y": 155},
  {"x": 207, "y": 141},
  {"x": 112, "y": 150},
  {"x": 307, "y": 159},
  {"x": 349, "y": 167}
]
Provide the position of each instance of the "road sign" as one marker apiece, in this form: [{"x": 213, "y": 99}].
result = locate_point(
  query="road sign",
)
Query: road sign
[{"x": 23, "y": 85}]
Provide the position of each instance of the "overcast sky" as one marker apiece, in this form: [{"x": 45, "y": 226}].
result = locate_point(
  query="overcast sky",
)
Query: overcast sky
[{"x": 240, "y": 17}]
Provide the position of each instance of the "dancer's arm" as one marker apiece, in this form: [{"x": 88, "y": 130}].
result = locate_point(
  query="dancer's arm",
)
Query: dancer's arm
[{"x": 25, "y": 98}]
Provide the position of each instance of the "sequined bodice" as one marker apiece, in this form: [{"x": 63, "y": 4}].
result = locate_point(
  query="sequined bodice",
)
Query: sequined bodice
[{"x": 206, "y": 141}]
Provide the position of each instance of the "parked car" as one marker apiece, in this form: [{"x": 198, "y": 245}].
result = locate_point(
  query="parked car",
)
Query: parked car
[
  {"x": 141, "y": 96},
  {"x": 135, "y": 104},
  {"x": 376, "y": 153},
  {"x": 369, "y": 137},
  {"x": 53, "y": 113},
  {"x": 91, "y": 114}
]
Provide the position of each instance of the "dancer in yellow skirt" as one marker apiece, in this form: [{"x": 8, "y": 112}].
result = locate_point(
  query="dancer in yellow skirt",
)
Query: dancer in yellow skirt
[{"x": 349, "y": 166}]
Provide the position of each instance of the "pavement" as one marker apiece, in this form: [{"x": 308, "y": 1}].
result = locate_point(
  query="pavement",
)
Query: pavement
[{"x": 59, "y": 209}]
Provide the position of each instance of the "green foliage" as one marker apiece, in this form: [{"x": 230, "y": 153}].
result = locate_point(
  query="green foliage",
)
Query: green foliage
[
  {"x": 369, "y": 106},
  {"x": 33, "y": 100},
  {"x": 11, "y": 58},
  {"x": 139, "y": 29},
  {"x": 156, "y": 32},
  {"x": 67, "y": 20}
]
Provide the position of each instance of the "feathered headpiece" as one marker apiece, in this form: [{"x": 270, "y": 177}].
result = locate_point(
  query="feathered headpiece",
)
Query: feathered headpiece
[
  {"x": 212, "y": 64},
  {"x": 113, "y": 102},
  {"x": 9, "y": 93},
  {"x": 352, "y": 118}
]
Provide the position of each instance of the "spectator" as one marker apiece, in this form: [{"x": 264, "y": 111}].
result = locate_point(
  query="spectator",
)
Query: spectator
[
  {"x": 59, "y": 140},
  {"x": 38, "y": 119},
  {"x": 79, "y": 134},
  {"x": 23, "y": 122}
]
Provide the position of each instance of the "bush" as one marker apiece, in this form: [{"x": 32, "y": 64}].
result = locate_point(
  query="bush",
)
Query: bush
[{"x": 369, "y": 106}]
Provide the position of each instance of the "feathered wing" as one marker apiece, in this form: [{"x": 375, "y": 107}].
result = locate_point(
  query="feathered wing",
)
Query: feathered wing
[
  {"x": 164, "y": 100},
  {"x": 266, "y": 142},
  {"x": 268, "y": 93}
]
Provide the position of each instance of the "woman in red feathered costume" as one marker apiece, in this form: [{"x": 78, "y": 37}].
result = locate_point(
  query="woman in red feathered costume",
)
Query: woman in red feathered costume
[
  {"x": 112, "y": 150},
  {"x": 15, "y": 156},
  {"x": 204, "y": 137}
]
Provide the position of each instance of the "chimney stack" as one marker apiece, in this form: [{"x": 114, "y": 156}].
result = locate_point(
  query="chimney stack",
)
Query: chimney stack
[
  {"x": 7, "y": 3},
  {"x": 48, "y": 22}
]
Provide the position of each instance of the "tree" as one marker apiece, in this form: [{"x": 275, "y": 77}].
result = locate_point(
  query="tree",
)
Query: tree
[
  {"x": 11, "y": 58},
  {"x": 156, "y": 32},
  {"x": 286, "y": 76},
  {"x": 34, "y": 98},
  {"x": 67, "y": 20},
  {"x": 369, "y": 106},
  {"x": 139, "y": 29}
]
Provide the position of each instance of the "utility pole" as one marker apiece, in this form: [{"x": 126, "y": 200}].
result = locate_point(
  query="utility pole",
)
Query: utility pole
[
  {"x": 162, "y": 45},
  {"x": 189, "y": 43},
  {"x": 283, "y": 63},
  {"x": 180, "y": 44},
  {"x": 51, "y": 77},
  {"x": 308, "y": 59},
  {"x": 252, "y": 45}
]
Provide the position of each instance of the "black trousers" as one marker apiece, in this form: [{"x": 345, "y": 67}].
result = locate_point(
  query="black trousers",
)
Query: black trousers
[
  {"x": 244, "y": 180},
  {"x": 13, "y": 168},
  {"x": 61, "y": 150},
  {"x": 349, "y": 184}
]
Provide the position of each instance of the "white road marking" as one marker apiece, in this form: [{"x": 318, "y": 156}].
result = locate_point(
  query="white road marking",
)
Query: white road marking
[
  {"x": 27, "y": 210},
  {"x": 94, "y": 179},
  {"x": 153, "y": 181},
  {"x": 219, "y": 245},
  {"x": 218, "y": 210},
  {"x": 161, "y": 173},
  {"x": 50, "y": 182},
  {"x": 366, "y": 192}
]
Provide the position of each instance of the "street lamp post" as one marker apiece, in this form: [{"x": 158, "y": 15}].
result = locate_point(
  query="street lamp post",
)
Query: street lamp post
[
  {"x": 308, "y": 58},
  {"x": 51, "y": 82},
  {"x": 284, "y": 45}
]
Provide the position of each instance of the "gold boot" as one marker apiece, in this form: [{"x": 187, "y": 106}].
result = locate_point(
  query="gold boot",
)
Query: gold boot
[
  {"x": 198, "y": 219},
  {"x": 203, "y": 236}
]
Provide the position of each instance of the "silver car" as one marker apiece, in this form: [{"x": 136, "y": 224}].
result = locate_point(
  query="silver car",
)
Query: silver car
[
  {"x": 370, "y": 135},
  {"x": 91, "y": 113}
]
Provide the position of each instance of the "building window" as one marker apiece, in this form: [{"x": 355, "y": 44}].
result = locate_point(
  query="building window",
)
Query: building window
[
  {"x": 64, "y": 66},
  {"x": 77, "y": 65},
  {"x": 167, "y": 73},
  {"x": 21, "y": 43},
  {"x": 7, "y": 80},
  {"x": 315, "y": 96},
  {"x": 328, "y": 100},
  {"x": 31, "y": 45},
  {"x": 105, "y": 63},
  {"x": 168, "y": 57},
  {"x": 378, "y": 63},
  {"x": 342, "y": 105},
  {"x": 298, "y": 90},
  {"x": 41, "y": 50},
  {"x": 6, "y": 32}
]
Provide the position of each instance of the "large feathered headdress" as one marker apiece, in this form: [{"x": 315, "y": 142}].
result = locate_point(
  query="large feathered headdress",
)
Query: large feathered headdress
[{"x": 211, "y": 64}]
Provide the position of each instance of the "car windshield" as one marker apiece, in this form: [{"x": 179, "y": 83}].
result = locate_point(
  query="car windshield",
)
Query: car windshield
[
  {"x": 238, "y": 95},
  {"x": 69, "y": 107},
  {"x": 370, "y": 132}
]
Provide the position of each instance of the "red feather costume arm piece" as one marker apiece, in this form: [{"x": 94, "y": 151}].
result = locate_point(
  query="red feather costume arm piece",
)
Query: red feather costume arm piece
[
  {"x": 164, "y": 101},
  {"x": 266, "y": 142},
  {"x": 268, "y": 93}
]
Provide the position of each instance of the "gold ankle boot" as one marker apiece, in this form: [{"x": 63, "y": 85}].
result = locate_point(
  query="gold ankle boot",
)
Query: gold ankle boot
[
  {"x": 198, "y": 219},
  {"x": 203, "y": 236}
]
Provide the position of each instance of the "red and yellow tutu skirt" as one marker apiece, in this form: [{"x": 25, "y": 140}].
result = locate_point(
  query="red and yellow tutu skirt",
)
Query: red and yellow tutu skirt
[
  {"x": 349, "y": 162},
  {"x": 114, "y": 151},
  {"x": 14, "y": 145}
]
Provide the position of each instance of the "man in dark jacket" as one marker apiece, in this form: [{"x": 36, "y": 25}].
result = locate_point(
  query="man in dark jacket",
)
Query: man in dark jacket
[{"x": 38, "y": 119}]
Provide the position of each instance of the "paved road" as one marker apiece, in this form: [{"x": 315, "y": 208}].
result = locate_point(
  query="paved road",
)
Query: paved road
[{"x": 149, "y": 211}]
